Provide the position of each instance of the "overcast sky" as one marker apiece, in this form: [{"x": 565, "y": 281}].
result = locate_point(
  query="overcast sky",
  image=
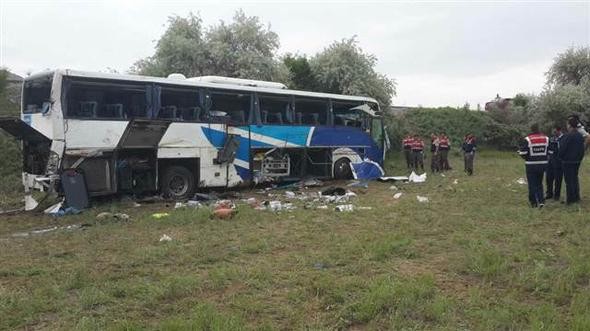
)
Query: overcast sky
[{"x": 440, "y": 53}]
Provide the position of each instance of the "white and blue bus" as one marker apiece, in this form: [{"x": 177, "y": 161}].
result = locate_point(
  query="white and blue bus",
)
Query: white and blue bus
[{"x": 137, "y": 134}]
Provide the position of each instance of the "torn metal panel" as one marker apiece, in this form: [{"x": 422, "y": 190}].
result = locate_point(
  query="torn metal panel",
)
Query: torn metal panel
[
  {"x": 93, "y": 134},
  {"x": 143, "y": 134},
  {"x": 21, "y": 130},
  {"x": 227, "y": 154}
]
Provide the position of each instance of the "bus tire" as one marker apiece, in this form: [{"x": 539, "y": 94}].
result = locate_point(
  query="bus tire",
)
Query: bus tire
[
  {"x": 177, "y": 183},
  {"x": 342, "y": 169}
]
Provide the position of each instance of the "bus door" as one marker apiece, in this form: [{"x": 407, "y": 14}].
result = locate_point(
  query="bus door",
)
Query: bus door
[{"x": 378, "y": 134}]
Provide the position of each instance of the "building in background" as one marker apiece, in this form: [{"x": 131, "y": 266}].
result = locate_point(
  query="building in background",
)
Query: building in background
[{"x": 498, "y": 103}]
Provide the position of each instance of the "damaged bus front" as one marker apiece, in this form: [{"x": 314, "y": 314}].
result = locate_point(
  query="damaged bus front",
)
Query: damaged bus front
[{"x": 40, "y": 129}]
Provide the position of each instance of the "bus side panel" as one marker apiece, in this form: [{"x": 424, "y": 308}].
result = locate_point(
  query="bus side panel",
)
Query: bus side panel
[
  {"x": 201, "y": 140},
  {"x": 351, "y": 138},
  {"x": 89, "y": 134}
]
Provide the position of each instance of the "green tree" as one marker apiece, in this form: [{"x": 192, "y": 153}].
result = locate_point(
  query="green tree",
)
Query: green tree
[
  {"x": 344, "y": 68},
  {"x": 570, "y": 67},
  {"x": 11, "y": 161},
  {"x": 181, "y": 48},
  {"x": 243, "y": 48},
  {"x": 300, "y": 75},
  {"x": 568, "y": 89},
  {"x": 522, "y": 100},
  {"x": 555, "y": 104}
]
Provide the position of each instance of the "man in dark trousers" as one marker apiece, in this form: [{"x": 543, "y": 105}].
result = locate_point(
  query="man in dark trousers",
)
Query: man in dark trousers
[
  {"x": 571, "y": 153},
  {"x": 534, "y": 149},
  {"x": 417, "y": 153},
  {"x": 469, "y": 148},
  {"x": 444, "y": 145},
  {"x": 435, "y": 156},
  {"x": 407, "y": 146},
  {"x": 554, "y": 172}
]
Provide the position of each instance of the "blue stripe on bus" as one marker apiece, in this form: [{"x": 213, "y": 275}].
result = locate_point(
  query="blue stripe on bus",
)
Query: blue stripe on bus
[
  {"x": 296, "y": 135},
  {"x": 217, "y": 139},
  {"x": 244, "y": 173},
  {"x": 339, "y": 136}
]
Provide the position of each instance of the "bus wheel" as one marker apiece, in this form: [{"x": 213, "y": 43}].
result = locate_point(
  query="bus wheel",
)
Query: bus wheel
[
  {"x": 342, "y": 169},
  {"x": 177, "y": 182}
]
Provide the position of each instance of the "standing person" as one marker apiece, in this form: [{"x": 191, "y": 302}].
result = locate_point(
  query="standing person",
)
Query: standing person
[
  {"x": 434, "y": 163},
  {"x": 469, "y": 146},
  {"x": 571, "y": 153},
  {"x": 554, "y": 172},
  {"x": 417, "y": 153},
  {"x": 444, "y": 145},
  {"x": 534, "y": 149},
  {"x": 407, "y": 147}
]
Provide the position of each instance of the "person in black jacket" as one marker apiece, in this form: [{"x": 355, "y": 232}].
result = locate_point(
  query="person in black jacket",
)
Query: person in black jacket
[
  {"x": 534, "y": 149},
  {"x": 554, "y": 172},
  {"x": 571, "y": 153},
  {"x": 469, "y": 146}
]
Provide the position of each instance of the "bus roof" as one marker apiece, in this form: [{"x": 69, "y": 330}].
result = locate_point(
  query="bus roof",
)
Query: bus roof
[{"x": 188, "y": 82}]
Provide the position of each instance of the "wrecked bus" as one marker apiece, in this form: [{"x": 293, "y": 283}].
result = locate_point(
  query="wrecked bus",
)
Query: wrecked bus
[{"x": 136, "y": 134}]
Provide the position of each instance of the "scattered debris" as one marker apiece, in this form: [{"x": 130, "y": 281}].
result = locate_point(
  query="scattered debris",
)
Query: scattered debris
[
  {"x": 51, "y": 229},
  {"x": 276, "y": 205},
  {"x": 106, "y": 216},
  {"x": 193, "y": 203},
  {"x": 59, "y": 210},
  {"x": 202, "y": 197},
  {"x": 160, "y": 215},
  {"x": 521, "y": 181},
  {"x": 359, "y": 183},
  {"x": 393, "y": 188},
  {"x": 397, "y": 195},
  {"x": 421, "y": 198},
  {"x": 165, "y": 238},
  {"x": 414, "y": 178},
  {"x": 190, "y": 203},
  {"x": 224, "y": 213},
  {"x": 311, "y": 182},
  {"x": 456, "y": 181},
  {"x": 339, "y": 195},
  {"x": 334, "y": 191},
  {"x": 290, "y": 194},
  {"x": 54, "y": 208},
  {"x": 344, "y": 207},
  {"x": 393, "y": 179}
]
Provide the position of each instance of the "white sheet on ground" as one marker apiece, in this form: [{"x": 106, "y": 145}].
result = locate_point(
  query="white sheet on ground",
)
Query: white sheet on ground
[{"x": 413, "y": 178}]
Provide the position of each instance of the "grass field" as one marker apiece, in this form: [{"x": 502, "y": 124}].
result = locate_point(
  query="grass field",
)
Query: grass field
[{"x": 475, "y": 257}]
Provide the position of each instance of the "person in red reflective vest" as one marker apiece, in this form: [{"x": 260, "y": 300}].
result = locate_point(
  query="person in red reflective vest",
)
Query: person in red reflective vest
[
  {"x": 417, "y": 153},
  {"x": 444, "y": 145},
  {"x": 407, "y": 147},
  {"x": 534, "y": 149}
]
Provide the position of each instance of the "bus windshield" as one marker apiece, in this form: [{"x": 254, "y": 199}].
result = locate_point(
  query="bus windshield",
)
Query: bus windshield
[{"x": 36, "y": 93}]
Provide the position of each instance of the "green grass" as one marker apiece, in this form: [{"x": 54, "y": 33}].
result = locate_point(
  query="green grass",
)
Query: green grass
[{"x": 475, "y": 257}]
